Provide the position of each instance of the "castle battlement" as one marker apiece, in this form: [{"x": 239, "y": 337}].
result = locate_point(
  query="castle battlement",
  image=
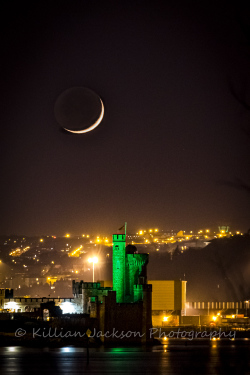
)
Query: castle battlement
[{"x": 119, "y": 237}]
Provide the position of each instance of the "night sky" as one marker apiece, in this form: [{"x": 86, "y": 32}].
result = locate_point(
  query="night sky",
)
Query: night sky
[{"x": 173, "y": 136}]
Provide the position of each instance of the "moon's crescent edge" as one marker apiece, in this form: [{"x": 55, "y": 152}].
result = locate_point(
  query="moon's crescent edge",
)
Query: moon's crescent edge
[{"x": 92, "y": 126}]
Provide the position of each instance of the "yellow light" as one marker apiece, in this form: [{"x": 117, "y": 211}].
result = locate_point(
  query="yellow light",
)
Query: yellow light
[
  {"x": 83, "y": 235},
  {"x": 233, "y": 316},
  {"x": 214, "y": 318},
  {"x": 165, "y": 318},
  {"x": 141, "y": 232},
  {"x": 93, "y": 260},
  {"x": 87, "y": 236},
  {"x": 150, "y": 230},
  {"x": 165, "y": 338},
  {"x": 207, "y": 230},
  {"x": 76, "y": 271},
  {"x": 156, "y": 230},
  {"x": 67, "y": 235},
  {"x": 213, "y": 338},
  {"x": 41, "y": 240}
]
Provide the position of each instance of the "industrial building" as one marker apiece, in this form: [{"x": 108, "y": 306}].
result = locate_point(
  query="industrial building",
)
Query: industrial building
[{"x": 168, "y": 301}]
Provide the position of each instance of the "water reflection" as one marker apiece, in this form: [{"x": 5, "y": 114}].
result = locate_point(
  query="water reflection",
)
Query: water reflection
[
  {"x": 12, "y": 349},
  {"x": 67, "y": 350},
  {"x": 173, "y": 357}
]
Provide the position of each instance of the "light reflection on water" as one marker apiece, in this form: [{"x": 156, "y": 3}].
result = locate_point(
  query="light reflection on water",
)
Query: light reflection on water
[
  {"x": 67, "y": 350},
  {"x": 173, "y": 357},
  {"x": 12, "y": 349}
]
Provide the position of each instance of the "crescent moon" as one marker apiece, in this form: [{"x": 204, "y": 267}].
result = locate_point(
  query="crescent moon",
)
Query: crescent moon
[{"x": 93, "y": 126}]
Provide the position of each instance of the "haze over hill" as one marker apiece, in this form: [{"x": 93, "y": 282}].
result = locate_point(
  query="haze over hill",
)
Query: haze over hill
[{"x": 218, "y": 272}]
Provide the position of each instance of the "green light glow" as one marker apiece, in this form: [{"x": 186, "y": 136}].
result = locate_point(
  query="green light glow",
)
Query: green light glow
[{"x": 129, "y": 272}]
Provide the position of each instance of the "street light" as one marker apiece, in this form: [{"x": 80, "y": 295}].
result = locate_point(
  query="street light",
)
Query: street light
[{"x": 93, "y": 260}]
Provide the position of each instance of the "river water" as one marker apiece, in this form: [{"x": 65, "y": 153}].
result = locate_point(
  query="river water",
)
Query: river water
[{"x": 175, "y": 356}]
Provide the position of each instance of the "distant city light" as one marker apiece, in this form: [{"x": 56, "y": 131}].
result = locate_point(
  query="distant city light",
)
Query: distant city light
[
  {"x": 11, "y": 306},
  {"x": 67, "y": 307},
  {"x": 93, "y": 260}
]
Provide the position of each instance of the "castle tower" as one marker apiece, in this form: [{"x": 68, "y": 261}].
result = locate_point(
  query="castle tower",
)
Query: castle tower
[{"x": 119, "y": 259}]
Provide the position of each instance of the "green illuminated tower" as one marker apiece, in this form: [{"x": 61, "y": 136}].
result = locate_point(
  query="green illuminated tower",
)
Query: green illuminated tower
[{"x": 119, "y": 260}]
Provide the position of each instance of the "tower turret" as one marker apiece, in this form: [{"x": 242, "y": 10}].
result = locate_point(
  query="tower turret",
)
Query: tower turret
[{"x": 119, "y": 259}]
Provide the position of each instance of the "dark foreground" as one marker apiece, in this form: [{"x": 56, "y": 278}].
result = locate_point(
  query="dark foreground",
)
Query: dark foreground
[{"x": 177, "y": 356}]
